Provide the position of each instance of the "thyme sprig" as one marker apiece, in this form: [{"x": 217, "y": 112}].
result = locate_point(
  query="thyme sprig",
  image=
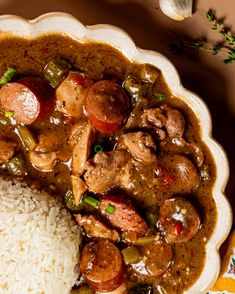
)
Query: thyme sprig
[{"x": 225, "y": 47}]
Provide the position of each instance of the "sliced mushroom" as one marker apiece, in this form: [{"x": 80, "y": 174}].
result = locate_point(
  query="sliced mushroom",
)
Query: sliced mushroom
[
  {"x": 94, "y": 228},
  {"x": 141, "y": 146},
  {"x": 47, "y": 161},
  {"x": 7, "y": 149},
  {"x": 79, "y": 188},
  {"x": 81, "y": 149},
  {"x": 179, "y": 145}
]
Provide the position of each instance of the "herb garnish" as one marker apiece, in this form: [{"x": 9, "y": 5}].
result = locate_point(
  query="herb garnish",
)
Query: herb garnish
[{"x": 226, "y": 46}]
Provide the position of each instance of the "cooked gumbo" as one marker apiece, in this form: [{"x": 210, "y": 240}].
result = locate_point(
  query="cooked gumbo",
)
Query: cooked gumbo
[{"x": 107, "y": 136}]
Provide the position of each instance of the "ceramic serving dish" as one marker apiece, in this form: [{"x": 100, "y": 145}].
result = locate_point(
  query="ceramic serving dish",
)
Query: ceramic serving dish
[{"x": 66, "y": 24}]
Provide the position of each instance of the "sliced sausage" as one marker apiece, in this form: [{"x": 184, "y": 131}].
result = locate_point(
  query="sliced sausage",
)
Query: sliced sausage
[
  {"x": 102, "y": 266},
  {"x": 179, "y": 221},
  {"x": 7, "y": 149},
  {"x": 107, "y": 106},
  {"x": 94, "y": 228},
  {"x": 125, "y": 217},
  {"x": 31, "y": 99},
  {"x": 184, "y": 172},
  {"x": 155, "y": 259},
  {"x": 70, "y": 95}
]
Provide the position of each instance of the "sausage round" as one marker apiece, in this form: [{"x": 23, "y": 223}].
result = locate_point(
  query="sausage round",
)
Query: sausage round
[
  {"x": 107, "y": 106},
  {"x": 31, "y": 99},
  {"x": 102, "y": 266},
  {"x": 124, "y": 217},
  {"x": 179, "y": 220},
  {"x": 155, "y": 259}
]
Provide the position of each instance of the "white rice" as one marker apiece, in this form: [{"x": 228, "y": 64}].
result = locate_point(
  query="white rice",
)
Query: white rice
[{"x": 39, "y": 242}]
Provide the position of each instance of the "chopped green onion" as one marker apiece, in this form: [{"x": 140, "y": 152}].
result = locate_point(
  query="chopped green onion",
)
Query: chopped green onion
[
  {"x": 91, "y": 201},
  {"x": 27, "y": 137},
  {"x": 130, "y": 254},
  {"x": 98, "y": 148},
  {"x": 69, "y": 201},
  {"x": 8, "y": 76},
  {"x": 135, "y": 89},
  {"x": 152, "y": 214},
  {"x": 55, "y": 71},
  {"x": 110, "y": 209},
  {"x": 9, "y": 113},
  {"x": 159, "y": 96}
]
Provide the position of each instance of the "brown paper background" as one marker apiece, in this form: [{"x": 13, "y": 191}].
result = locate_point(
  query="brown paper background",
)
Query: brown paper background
[{"x": 150, "y": 29}]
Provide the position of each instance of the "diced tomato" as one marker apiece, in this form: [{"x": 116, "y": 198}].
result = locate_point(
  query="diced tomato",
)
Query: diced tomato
[
  {"x": 177, "y": 229},
  {"x": 168, "y": 180},
  {"x": 68, "y": 120}
]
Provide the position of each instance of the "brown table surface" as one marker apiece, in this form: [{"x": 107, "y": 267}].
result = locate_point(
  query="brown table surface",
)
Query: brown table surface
[{"x": 150, "y": 29}]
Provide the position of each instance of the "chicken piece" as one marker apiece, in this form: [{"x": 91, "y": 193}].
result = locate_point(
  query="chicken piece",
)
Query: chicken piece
[
  {"x": 164, "y": 120},
  {"x": 7, "y": 149},
  {"x": 175, "y": 122},
  {"x": 141, "y": 146},
  {"x": 79, "y": 188},
  {"x": 94, "y": 228},
  {"x": 106, "y": 169},
  {"x": 48, "y": 141},
  {"x": 47, "y": 161},
  {"x": 82, "y": 139}
]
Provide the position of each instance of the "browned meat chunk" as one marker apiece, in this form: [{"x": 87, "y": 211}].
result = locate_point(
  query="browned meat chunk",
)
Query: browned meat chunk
[
  {"x": 79, "y": 188},
  {"x": 156, "y": 257},
  {"x": 179, "y": 221},
  {"x": 141, "y": 146},
  {"x": 105, "y": 170},
  {"x": 175, "y": 122},
  {"x": 164, "y": 118},
  {"x": 7, "y": 149},
  {"x": 124, "y": 216},
  {"x": 82, "y": 139},
  {"x": 94, "y": 228},
  {"x": 184, "y": 172},
  {"x": 102, "y": 266},
  {"x": 70, "y": 95}
]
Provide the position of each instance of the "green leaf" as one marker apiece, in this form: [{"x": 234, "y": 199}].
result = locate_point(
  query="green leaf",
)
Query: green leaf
[
  {"x": 233, "y": 261},
  {"x": 216, "y": 49},
  {"x": 228, "y": 61},
  {"x": 210, "y": 15}
]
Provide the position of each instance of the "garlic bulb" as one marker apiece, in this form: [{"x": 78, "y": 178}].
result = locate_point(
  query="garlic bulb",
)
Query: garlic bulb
[{"x": 177, "y": 9}]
